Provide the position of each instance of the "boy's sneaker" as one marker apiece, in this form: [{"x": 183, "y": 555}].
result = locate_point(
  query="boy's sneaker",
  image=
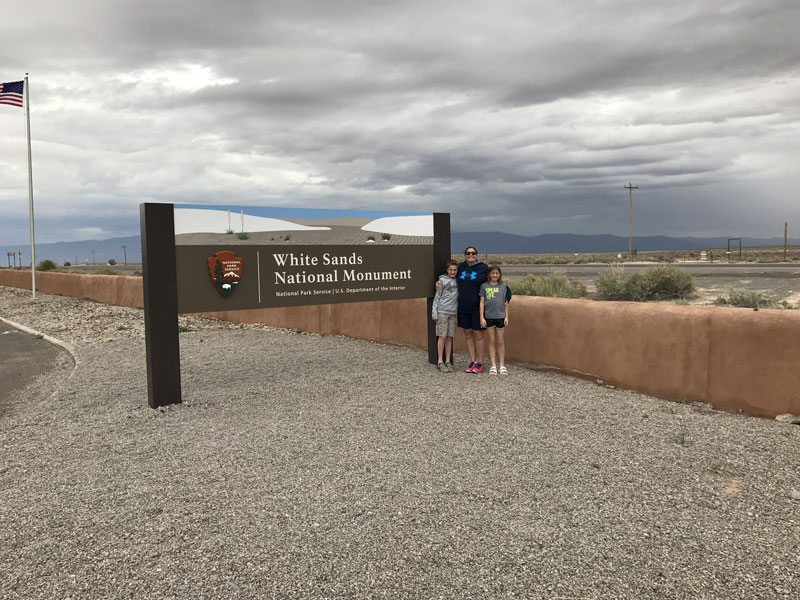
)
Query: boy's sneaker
[
  {"x": 448, "y": 368},
  {"x": 478, "y": 368},
  {"x": 470, "y": 367},
  {"x": 443, "y": 367}
]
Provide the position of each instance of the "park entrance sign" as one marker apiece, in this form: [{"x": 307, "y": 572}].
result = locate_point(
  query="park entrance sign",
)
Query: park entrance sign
[
  {"x": 201, "y": 258},
  {"x": 232, "y": 257}
]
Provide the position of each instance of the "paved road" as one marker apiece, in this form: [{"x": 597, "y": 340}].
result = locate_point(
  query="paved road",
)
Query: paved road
[{"x": 22, "y": 358}]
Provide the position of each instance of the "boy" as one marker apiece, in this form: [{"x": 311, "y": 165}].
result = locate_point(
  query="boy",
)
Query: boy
[{"x": 445, "y": 308}]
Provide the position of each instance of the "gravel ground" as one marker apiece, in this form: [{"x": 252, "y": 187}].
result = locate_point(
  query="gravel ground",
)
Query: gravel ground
[{"x": 323, "y": 467}]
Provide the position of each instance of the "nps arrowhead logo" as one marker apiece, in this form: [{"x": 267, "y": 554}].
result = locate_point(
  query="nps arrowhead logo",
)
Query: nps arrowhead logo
[{"x": 225, "y": 269}]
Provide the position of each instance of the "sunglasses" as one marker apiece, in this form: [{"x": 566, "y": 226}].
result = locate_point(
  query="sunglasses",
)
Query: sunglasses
[{"x": 472, "y": 253}]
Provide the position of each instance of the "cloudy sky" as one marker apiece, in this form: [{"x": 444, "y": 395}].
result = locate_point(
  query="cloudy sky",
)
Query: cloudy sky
[{"x": 520, "y": 116}]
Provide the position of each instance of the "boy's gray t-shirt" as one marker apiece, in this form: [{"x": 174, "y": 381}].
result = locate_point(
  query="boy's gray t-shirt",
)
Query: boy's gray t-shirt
[
  {"x": 446, "y": 300},
  {"x": 496, "y": 296}
]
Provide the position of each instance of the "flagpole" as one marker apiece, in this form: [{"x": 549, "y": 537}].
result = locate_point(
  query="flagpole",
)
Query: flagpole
[{"x": 30, "y": 188}]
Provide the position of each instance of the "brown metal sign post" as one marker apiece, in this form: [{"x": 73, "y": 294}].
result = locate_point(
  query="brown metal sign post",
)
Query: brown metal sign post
[
  {"x": 160, "y": 289},
  {"x": 441, "y": 254}
]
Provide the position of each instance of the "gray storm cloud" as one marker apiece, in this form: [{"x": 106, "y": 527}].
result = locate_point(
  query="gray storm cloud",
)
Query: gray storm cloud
[{"x": 525, "y": 117}]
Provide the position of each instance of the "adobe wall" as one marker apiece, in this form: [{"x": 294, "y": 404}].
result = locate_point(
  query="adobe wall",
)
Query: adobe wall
[
  {"x": 119, "y": 290},
  {"x": 394, "y": 321},
  {"x": 733, "y": 358}
]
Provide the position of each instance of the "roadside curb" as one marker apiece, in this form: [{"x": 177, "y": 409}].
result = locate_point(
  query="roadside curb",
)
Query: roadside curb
[{"x": 65, "y": 345}]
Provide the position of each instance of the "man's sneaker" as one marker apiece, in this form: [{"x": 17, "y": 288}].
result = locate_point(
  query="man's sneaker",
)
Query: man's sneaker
[
  {"x": 470, "y": 367},
  {"x": 478, "y": 368},
  {"x": 443, "y": 367}
]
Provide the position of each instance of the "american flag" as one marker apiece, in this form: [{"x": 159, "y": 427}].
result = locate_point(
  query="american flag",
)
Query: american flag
[{"x": 11, "y": 93}]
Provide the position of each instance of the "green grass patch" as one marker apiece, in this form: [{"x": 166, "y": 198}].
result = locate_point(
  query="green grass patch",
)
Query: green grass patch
[
  {"x": 743, "y": 299},
  {"x": 46, "y": 265},
  {"x": 751, "y": 299},
  {"x": 553, "y": 285},
  {"x": 662, "y": 282}
]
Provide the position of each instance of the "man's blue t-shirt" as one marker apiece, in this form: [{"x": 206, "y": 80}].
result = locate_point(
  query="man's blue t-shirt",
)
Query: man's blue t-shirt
[{"x": 469, "y": 285}]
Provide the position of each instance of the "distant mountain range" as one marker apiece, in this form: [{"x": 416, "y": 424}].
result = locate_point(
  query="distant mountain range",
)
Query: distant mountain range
[
  {"x": 85, "y": 251},
  {"x": 491, "y": 242}
]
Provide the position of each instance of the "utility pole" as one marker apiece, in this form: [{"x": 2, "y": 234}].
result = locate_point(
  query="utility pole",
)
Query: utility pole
[
  {"x": 92, "y": 256},
  {"x": 125, "y": 253},
  {"x": 630, "y": 187},
  {"x": 785, "y": 232}
]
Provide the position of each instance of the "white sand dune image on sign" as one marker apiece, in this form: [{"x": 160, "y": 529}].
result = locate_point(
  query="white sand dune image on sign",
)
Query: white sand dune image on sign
[
  {"x": 192, "y": 220},
  {"x": 416, "y": 225},
  {"x": 213, "y": 226}
]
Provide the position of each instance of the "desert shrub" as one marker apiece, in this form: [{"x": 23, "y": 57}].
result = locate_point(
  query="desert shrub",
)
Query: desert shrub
[
  {"x": 609, "y": 286},
  {"x": 667, "y": 283},
  {"x": 106, "y": 272},
  {"x": 553, "y": 285},
  {"x": 662, "y": 282},
  {"x": 243, "y": 235},
  {"x": 386, "y": 236},
  {"x": 46, "y": 265},
  {"x": 743, "y": 299}
]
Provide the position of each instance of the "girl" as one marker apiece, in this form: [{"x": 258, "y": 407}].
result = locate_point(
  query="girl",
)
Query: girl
[{"x": 495, "y": 297}]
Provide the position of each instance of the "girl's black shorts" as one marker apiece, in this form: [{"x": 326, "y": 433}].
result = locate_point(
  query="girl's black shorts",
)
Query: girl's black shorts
[{"x": 497, "y": 323}]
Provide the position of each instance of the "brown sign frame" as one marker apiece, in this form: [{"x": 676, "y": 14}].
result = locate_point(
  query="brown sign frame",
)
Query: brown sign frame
[{"x": 161, "y": 297}]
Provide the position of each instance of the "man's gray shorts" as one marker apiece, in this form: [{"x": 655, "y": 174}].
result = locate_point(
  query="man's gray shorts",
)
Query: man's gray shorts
[{"x": 446, "y": 325}]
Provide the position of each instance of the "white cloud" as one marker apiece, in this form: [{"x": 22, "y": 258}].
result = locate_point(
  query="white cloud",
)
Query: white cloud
[{"x": 181, "y": 78}]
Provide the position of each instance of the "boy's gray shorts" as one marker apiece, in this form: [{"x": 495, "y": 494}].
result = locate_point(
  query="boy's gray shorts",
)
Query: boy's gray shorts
[{"x": 446, "y": 325}]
